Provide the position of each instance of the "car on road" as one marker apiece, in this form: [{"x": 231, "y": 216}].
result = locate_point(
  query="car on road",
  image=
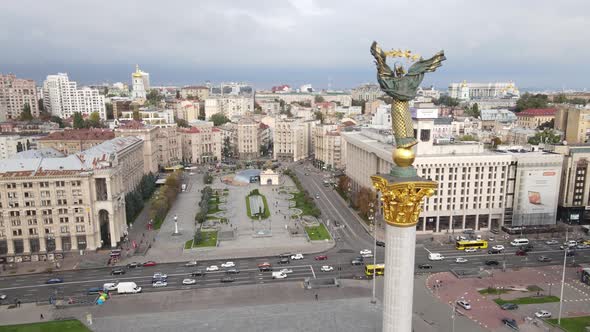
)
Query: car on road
[
  {"x": 159, "y": 276},
  {"x": 509, "y": 306},
  {"x": 133, "y": 265},
  {"x": 149, "y": 263},
  {"x": 285, "y": 255},
  {"x": 212, "y": 268},
  {"x": 189, "y": 281},
  {"x": 494, "y": 251},
  {"x": 582, "y": 246},
  {"x": 191, "y": 263},
  {"x": 511, "y": 323},
  {"x": 265, "y": 268},
  {"x": 521, "y": 252},
  {"x": 117, "y": 272},
  {"x": 380, "y": 243},
  {"x": 498, "y": 247},
  {"x": 491, "y": 262},
  {"x": 306, "y": 174},
  {"x": 327, "y": 268},
  {"x": 434, "y": 256},
  {"x": 356, "y": 262},
  {"x": 464, "y": 304},
  {"x": 460, "y": 260},
  {"x": 369, "y": 255},
  {"x": 543, "y": 314},
  {"x": 228, "y": 264},
  {"x": 544, "y": 259},
  {"x": 424, "y": 266},
  {"x": 110, "y": 286},
  {"x": 570, "y": 253},
  {"x": 228, "y": 279},
  {"x": 317, "y": 196},
  {"x": 232, "y": 271},
  {"x": 94, "y": 290},
  {"x": 470, "y": 250},
  {"x": 321, "y": 257},
  {"x": 365, "y": 251},
  {"x": 265, "y": 264},
  {"x": 284, "y": 261},
  {"x": 159, "y": 283},
  {"x": 3, "y": 297},
  {"x": 197, "y": 273},
  {"x": 551, "y": 242},
  {"x": 297, "y": 257},
  {"x": 54, "y": 281},
  {"x": 285, "y": 271}
]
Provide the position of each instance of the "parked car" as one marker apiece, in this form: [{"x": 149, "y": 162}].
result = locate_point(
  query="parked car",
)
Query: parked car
[
  {"x": 509, "y": 306},
  {"x": 197, "y": 273},
  {"x": 511, "y": 323},
  {"x": 191, "y": 263},
  {"x": 320, "y": 257},
  {"x": 491, "y": 262},
  {"x": 133, "y": 265},
  {"x": 54, "y": 281},
  {"x": 228, "y": 264},
  {"x": 212, "y": 268},
  {"x": 228, "y": 279},
  {"x": 544, "y": 259},
  {"x": 464, "y": 304},
  {"x": 380, "y": 243},
  {"x": 543, "y": 314},
  {"x": 232, "y": 271},
  {"x": 160, "y": 283},
  {"x": 189, "y": 281},
  {"x": 297, "y": 256},
  {"x": 117, "y": 272},
  {"x": 149, "y": 263},
  {"x": 425, "y": 266},
  {"x": 327, "y": 268},
  {"x": 460, "y": 260}
]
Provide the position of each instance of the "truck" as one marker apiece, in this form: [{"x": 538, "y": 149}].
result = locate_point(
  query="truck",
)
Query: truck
[
  {"x": 128, "y": 288},
  {"x": 279, "y": 275}
]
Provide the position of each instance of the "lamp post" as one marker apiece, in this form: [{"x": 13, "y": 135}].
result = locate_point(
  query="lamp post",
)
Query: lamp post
[
  {"x": 565, "y": 250},
  {"x": 453, "y": 312},
  {"x": 372, "y": 219}
]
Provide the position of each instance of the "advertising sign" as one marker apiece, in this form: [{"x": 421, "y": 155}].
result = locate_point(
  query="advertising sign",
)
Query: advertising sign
[
  {"x": 424, "y": 113},
  {"x": 539, "y": 191}
]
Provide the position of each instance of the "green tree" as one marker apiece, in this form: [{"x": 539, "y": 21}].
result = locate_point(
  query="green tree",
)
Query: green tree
[
  {"x": 58, "y": 120},
  {"x": 527, "y": 101},
  {"x": 93, "y": 121},
  {"x": 227, "y": 150},
  {"x": 26, "y": 114},
  {"x": 135, "y": 115},
  {"x": 182, "y": 123},
  {"x": 78, "y": 121},
  {"x": 109, "y": 108},
  {"x": 547, "y": 125},
  {"x": 547, "y": 136},
  {"x": 40, "y": 105},
  {"x": 257, "y": 108},
  {"x": 319, "y": 116},
  {"x": 177, "y": 94},
  {"x": 468, "y": 138},
  {"x": 202, "y": 113},
  {"x": 446, "y": 100},
  {"x": 318, "y": 99},
  {"x": 560, "y": 99},
  {"x": 218, "y": 119},
  {"x": 473, "y": 111},
  {"x": 154, "y": 97},
  {"x": 496, "y": 141}
]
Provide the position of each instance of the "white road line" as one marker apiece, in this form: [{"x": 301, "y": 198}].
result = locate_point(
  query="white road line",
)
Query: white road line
[
  {"x": 312, "y": 271},
  {"x": 430, "y": 252}
]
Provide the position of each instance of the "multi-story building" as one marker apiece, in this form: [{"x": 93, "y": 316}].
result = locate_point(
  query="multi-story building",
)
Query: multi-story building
[
  {"x": 293, "y": 139},
  {"x": 574, "y": 194},
  {"x": 328, "y": 152},
  {"x": 72, "y": 141},
  {"x": 229, "y": 105},
  {"x": 201, "y": 143},
  {"x": 151, "y": 116},
  {"x": 533, "y": 118},
  {"x": 248, "y": 146},
  {"x": 149, "y": 135},
  {"x": 492, "y": 118},
  {"x": 471, "y": 91},
  {"x": 15, "y": 93},
  {"x": 187, "y": 110},
  {"x": 62, "y": 98},
  {"x": 518, "y": 136},
  {"x": 366, "y": 92},
  {"x": 56, "y": 204},
  {"x": 13, "y": 144},
  {"x": 169, "y": 143},
  {"x": 28, "y": 127},
  {"x": 194, "y": 92},
  {"x": 140, "y": 81},
  {"x": 575, "y": 123}
]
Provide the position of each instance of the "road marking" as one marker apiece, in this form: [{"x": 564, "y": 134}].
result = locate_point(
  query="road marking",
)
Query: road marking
[
  {"x": 312, "y": 271},
  {"x": 430, "y": 252}
]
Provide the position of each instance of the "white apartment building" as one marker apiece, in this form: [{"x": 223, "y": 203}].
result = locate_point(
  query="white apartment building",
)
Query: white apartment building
[
  {"x": 62, "y": 98},
  {"x": 269, "y": 107},
  {"x": 194, "y": 92},
  {"x": 248, "y": 135},
  {"x": 366, "y": 92},
  {"x": 188, "y": 110},
  {"x": 140, "y": 83},
  {"x": 344, "y": 99},
  {"x": 328, "y": 147},
  {"x": 14, "y": 94},
  {"x": 472, "y": 91},
  {"x": 11, "y": 145},
  {"x": 293, "y": 139},
  {"x": 151, "y": 116},
  {"x": 55, "y": 204},
  {"x": 229, "y": 105},
  {"x": 149, "y": 135}
]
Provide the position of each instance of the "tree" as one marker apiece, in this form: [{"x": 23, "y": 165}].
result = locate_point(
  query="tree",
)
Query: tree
[
  {"x": 467, "y": 138},
  {"x": 547, "y": 125},
  {"x": 110, "y": 114},
  {"x": 218, "y": 119},
  {"x": 40, "y": 105},
  {"x": 182, "y": 123},
  {"x": 202, "y": 113},
  {"x": 318, "y": 99},
  {"x": 136, "y": 116},
  {"x": 78, "y": 122},
  {"x": 58, "y": 120},
  {"x": 257, "y": 108},
  {"x": 473, "y": 111},
  {"x": 547, "y": 136},
  {"x": 177, "y": 94},
  {"x": 154, "y": 97},
  {"x": 227, "y": 151},
  {"x": 527, "y": 101},
  {"x": 496, "y": 141},
  {"x": 93, "y": 121},
  {"x": 319, "y": 116},
  {"x": 560, "y": 98},
  {"x": 446, "y": 100},
  {"x": 26, "y": 114}
]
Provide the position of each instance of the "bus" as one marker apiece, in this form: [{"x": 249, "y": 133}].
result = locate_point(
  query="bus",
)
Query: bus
[
  {"x": 173, "y": 168},
  {"x": 464, "y": 244},
  {"x": 379, "y": 269}
]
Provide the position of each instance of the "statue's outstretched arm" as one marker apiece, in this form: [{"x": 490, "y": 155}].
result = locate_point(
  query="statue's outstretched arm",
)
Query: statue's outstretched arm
[{"x": 427, "y": 66}]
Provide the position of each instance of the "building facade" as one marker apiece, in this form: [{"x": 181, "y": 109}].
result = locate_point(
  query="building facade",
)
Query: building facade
[
  {"x": 533, "y": 118},
  {"x": 293, "y": 139},
  {"x": 574, "y": 194},
  {"x": 149, "y": 136},
  {"x": 229, "y": 105},
  {"x": 140, "y": 83},
  {"x": 187, "y": 110},
  {"x": 63, "y": 98},
  {"x": 169, "y": 142},
  {"x": 367, "y": 92},
  {"x": 55, "y": 205},
  {"x": 575, "y": 123},
  {"x": 72, "y": 141},
  {"x": 328, "y": 147},
  {"x": 11, "y": 145},
  {"x": 194, "y": 92},
  {"x": 201, "y": 144},
  {"x": 15, "y": 93},
  {"x": 248, "y": 146},
  {"x": 471, "y": 91}
]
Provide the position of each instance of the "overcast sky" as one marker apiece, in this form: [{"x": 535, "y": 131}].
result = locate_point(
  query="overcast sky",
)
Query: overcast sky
[{"x": 536, "y": 43}]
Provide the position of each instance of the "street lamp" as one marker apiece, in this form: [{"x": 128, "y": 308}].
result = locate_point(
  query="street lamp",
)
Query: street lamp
[
  {"x": 372, "y": 220},
  {"x": 565, "y": 250},
  {"x": 454, "y": 310}
]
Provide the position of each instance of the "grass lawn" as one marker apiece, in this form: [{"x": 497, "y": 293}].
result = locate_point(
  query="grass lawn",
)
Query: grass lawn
[
  {"x": 493, "y": 291},
  {"x": 318, "y": 233},
  {"x": 209, "y": 240},
  {"x": 529, "y": 300},
  {"x": 266, "y": 213},
  {"x": 305, "y": 206},
  {"x": 573, "y": 324},
  {"x": 213, "y": 208},
  {"x": 54, "y": 326}
]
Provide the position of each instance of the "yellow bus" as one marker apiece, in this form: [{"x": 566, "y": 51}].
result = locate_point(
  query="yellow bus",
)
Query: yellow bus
[
  {"x": 173, "y": 168},
  {"x": 465, "y": 244},
  {"x": 379, "y": 269}
]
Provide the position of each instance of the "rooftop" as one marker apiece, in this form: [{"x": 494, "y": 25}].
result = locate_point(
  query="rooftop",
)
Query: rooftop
[
  {"x": 80, "y": 134},
  {"x": 538, "y": 112}
]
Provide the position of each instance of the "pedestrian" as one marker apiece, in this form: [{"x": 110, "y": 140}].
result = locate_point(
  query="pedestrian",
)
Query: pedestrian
[
  {"x": 42, "y": 317},
  {"x": 316, "y": 296},
  {"x": 18, "y": 303}
]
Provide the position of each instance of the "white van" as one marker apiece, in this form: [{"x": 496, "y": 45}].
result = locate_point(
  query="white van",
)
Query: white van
[
  {"x": 519, "y": 242},
  {"x": 435, "y": 256},
  {"x": 279, "y": 275}
]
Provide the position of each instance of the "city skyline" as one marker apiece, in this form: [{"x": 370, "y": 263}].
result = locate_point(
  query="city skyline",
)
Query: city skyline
[{"x": 297, "y": 42}]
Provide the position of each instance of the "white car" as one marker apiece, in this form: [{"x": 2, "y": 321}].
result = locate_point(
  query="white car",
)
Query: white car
[
  {"x": 498, "y": 247},
  {"x": 460, "y": 260},
  {"x": 297, "y": 257},
  {"x": 159, "y": 284},
  {"x": 369, "y": 255},
  {"x": 285, "y": 271},
  {"x": 228, "y": 264},
  {"x": 470, "y": 249},
  {"x": 2, "y": 297},
  {"x": 110, "y": 286},
  {"x": 551, "y": 242},
  {"x": 542, "y": 314},
  {"x": 327, "y": 268},
  {"x": 191, "y": 263},
  {"x": 189, "y": 282},
  {"x": 159, "y": 275},
  {"x": 464, "y": 304},
  {"x": 212, "y": 268},
  {"x": 365, "y": 252}
]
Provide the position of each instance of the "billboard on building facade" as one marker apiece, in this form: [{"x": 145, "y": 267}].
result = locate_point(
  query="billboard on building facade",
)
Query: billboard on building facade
[
  {"x": 424, "y": 113},
  {"x": 539, "y": 190}
]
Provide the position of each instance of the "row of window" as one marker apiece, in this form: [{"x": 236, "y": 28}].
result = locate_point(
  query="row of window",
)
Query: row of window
[
  {"x": 34, "y": 231},
  {"x": 46, "y": 221},
  {"x": 44, "y": 203},
  {"x": 45, "y": 184}
]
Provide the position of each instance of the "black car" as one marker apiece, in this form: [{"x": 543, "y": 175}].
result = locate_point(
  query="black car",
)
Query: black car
[
  {"x": 494, "y": 251},
  {"x": 284, "y": 261},
  {"x": 133, "y": 265},
  {"x": 491, "y": 262},
  {"x": 380, "y": 243},
  {"x": 285, "y": 255},
  {"x": 232, "y": 271},
  {"x": 228, "y": 279},
  {"x": 570, "y": 253},
  {"x": 265, "y": 268},
  {"x": 509, "y": 306},
  {"x": 511, "y": 323},
  {"x": 197, "y": 273},
  {"x": 527, "y": 248},
  {"x": 356, "y": 262},
  {"x": 117, "y": 272},
  {"x": 425, "y": 266}
]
